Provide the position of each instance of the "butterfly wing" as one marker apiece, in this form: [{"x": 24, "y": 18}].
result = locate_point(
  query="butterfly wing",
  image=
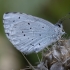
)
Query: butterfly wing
[{"x": 27, "y": 33}]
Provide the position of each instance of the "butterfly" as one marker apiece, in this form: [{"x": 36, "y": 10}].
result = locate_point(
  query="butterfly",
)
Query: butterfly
[{"x": 29, "y": 33}]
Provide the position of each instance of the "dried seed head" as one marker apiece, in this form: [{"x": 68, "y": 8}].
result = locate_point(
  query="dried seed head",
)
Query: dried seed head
[{"x": 58, "y": 58}]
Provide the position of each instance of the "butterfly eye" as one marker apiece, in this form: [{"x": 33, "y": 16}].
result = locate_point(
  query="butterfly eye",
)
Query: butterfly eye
[{"x": 59, "y": 25}]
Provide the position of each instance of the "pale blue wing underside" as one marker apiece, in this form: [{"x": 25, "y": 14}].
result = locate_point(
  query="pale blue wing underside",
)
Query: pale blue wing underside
[{"x": 29, "y": 34}]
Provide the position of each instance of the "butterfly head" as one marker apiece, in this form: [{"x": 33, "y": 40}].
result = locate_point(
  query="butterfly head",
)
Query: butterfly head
[{"x": 60, "y": 27}]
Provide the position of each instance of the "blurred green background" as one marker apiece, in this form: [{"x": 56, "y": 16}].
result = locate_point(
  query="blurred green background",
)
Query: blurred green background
[{"x": 51, "y": 10}]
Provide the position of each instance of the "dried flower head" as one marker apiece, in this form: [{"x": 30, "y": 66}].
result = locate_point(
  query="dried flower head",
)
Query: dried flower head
[{"x": 56, "y": 58}]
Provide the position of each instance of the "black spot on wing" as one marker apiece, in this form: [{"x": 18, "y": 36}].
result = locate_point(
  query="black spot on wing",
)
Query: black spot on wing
[
  {"x": 7, "y": 34},
  {"x": 28, "y": 23},
  {"x": 42, "y": 27},
  {"x": 13, "y": 20},
  {"x": 30, "y": 28},
  {"x": 18, "y": 17},
  {"x": 39, "y": 34},
  {"x": 31, "y": 44},
  {"x": 39, "y": 43},
  {"x": 32, "y": 39},
  {"x": 24, "y": 34}
]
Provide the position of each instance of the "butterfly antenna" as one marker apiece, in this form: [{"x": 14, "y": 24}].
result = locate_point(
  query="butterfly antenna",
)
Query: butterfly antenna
[{"x": 63, "y": 18}]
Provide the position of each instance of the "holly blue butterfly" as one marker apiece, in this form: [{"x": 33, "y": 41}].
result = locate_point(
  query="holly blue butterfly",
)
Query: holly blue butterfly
[{"x": 30, "y": 34}]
